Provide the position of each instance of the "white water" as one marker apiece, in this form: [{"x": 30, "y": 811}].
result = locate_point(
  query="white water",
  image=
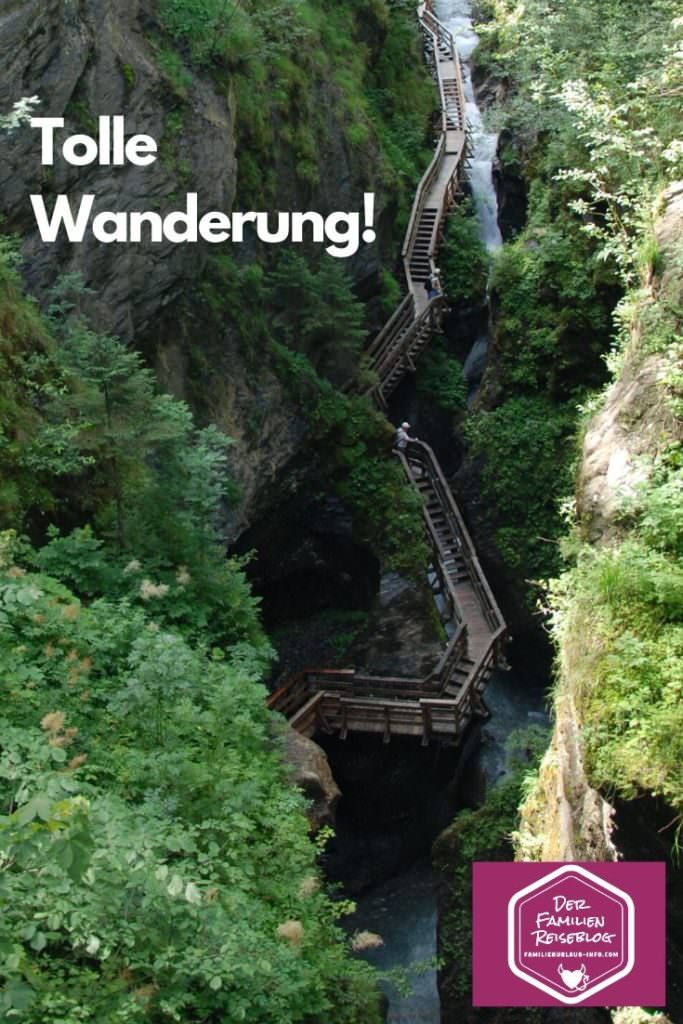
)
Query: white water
[{"x": 457, "y": 16}]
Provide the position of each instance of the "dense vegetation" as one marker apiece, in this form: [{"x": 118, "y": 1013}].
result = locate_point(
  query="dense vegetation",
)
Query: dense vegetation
[
  {"x": 315, "y": 83},
  {"x": 618, "y": 622},
  {"x": 156, "y": 862},
  {"x": 297, "y": 65},
  {"x": 592, "y": 127},
  {"x": 584, "y": 294}
]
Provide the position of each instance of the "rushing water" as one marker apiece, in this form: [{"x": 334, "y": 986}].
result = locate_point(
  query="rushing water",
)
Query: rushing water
[
  {"x": 403, "y": 909},
  {"x": 457, "y": 16}
]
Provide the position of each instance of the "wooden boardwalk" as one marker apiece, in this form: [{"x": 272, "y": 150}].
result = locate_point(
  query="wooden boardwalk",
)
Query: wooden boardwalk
[
  {"x": 441, "y": 705},
  {"x": 395, "y": 349}
]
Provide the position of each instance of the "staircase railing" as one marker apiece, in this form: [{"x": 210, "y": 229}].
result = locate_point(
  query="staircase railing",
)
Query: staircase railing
[
  {"x": 342, "y": 699},
  {"x": 392, "y": 345}
]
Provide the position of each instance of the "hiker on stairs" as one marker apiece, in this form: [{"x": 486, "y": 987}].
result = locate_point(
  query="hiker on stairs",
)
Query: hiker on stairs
[{"x": 403, "y": 437}]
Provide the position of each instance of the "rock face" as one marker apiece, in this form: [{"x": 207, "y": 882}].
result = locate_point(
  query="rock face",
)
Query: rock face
[
  {"x": 451, "y": 856},
  {"x": 310, "y": 771},
  {"x": 249, "y": 405},
  {"x": 95, "y": 58},
  {"x": 564, "y": 818},
  {"x": 403, "y": 636},
  {"x": 637, "y": 414}
]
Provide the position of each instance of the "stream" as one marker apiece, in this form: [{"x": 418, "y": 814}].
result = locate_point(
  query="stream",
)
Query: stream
[{"x": 402, "y": 910}]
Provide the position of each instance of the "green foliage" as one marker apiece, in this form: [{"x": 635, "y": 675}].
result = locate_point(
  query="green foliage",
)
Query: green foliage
[
  {"x": 391, "y": 293},
  {"x": 214, "y": 29},
  {"x": 465, "y": 261},
  {"x": 440, "y": 379},
  {"x": 594, "y": 132},
  {"x": 526, "y": 446},
  {"x": 155, "y": 863},
  {"x": 315, "y": 312},
  {"x": 171, "y": 64},
  {"x": 25, "y": 371},
  {"x": 291, "y": 62},
  {"x": 553, "y": 319},
  {"x": 618, "y": 618},
  {"x": 318, "y": 317},
  {"x": 356, "y": 443}
]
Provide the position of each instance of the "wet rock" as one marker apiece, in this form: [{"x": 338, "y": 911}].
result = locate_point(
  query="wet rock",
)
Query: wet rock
[
  {"x": 403, "y": 635},
  {"x": 311, "y": 772}
]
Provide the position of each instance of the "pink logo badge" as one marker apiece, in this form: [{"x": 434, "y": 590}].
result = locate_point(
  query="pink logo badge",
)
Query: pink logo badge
[
  {"x": 547, "y": 934},
  {"x": 571, "y": 934}
]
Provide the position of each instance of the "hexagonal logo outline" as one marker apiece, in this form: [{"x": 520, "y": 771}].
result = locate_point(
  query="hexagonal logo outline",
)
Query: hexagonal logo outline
[{"x": 628, "y": 930}]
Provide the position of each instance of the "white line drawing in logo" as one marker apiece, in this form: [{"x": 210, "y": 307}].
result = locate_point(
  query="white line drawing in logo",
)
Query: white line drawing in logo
[{"x": 574, "y": 980}]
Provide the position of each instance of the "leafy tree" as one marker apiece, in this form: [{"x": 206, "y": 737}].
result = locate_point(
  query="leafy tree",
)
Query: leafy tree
[
  {"x": 440, "y": 379},
  {"x": 155, "y": 861},
  {"x": 317, "y": 313},
  {"x": 465, "y": 262},
  {"x": 525, "y": 446},
  {"x": 111, "y": 399}
]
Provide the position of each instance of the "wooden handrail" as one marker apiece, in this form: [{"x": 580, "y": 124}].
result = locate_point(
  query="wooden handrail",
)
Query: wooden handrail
[
  {"x": 445, "y": 699},
  {"x": 407, "y": 329},
  {"x": 429, "y": 461}
]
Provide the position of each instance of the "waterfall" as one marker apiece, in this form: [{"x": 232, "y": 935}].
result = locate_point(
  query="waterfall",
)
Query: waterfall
[{"x": 457, "y": 16}]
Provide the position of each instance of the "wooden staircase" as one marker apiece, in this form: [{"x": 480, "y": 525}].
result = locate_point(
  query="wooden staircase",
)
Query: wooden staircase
[
  {"x": 440, "y": 705},
  {"x": 395, "y": 349},
  {"x": 419, "y": 265}
]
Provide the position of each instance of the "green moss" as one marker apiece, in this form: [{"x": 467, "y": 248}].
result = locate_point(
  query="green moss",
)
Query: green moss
[
  {"x": 171, "y": 64},
  {"x": 618, "y": 623},
  {"x": 128, "y": 72},
  {"x": 174, "y": 124},
  {"x": 78, "y": 110}
]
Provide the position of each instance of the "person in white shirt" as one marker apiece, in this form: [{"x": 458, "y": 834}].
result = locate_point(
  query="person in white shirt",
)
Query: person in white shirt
[{"x": 403, "y": 437}]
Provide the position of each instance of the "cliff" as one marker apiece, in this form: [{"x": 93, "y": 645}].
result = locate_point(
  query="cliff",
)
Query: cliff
[
  {"x": 624, "y": 444},
  {"x": 610, "y": 783}
]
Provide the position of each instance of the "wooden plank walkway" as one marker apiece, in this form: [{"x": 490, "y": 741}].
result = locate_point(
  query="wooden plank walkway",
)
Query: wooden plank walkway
[
  {"x": 441, "y": 705},
  {"x": 399, "y": 343}
]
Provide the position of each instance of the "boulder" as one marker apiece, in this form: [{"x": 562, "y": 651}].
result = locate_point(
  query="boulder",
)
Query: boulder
[{"x": 310, "y": 771}]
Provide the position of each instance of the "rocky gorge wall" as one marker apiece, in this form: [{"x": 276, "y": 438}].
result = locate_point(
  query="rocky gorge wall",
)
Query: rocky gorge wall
[
  {"x": 116, "y": 59},
  {"x": 581, "y": 803},
  {"x": 564, "y": 817}
]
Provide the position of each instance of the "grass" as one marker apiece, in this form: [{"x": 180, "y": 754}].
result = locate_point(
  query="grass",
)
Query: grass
[{"x": 618, "y": 623}]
